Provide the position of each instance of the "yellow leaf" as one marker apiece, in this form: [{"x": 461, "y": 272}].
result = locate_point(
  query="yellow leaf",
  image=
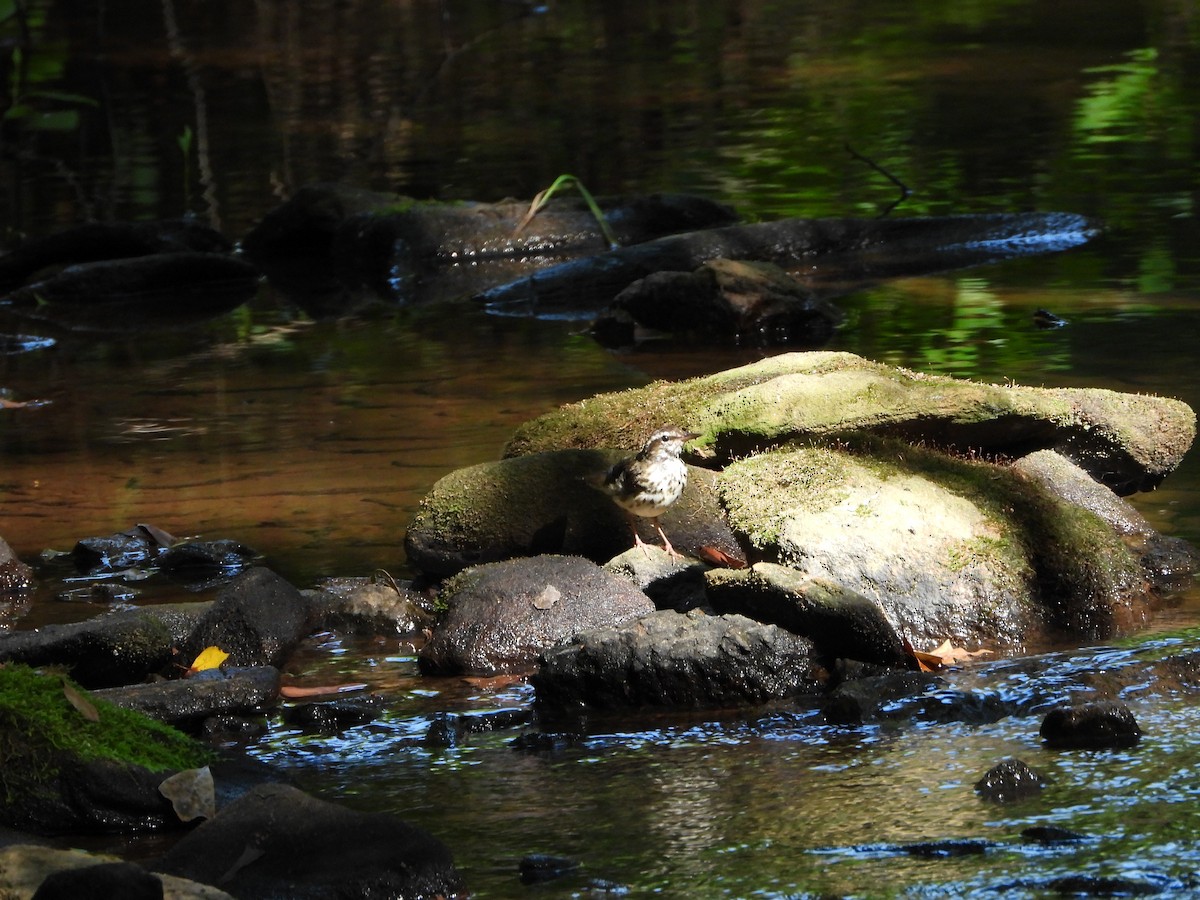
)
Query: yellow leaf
[{"x": 209, "y": 658}]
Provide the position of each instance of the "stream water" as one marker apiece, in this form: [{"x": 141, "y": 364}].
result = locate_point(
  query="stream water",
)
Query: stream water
[{"x": 313, "y": 440}]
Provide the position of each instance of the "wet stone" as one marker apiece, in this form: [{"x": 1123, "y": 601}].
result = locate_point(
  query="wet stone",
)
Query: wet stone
[
  {"x": 1009, "y": 780},
  {"x": 1101, "y": 723}
]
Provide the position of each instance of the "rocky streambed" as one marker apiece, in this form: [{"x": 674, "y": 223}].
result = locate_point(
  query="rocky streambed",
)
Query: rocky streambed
[{"x": 841, "y": 518}]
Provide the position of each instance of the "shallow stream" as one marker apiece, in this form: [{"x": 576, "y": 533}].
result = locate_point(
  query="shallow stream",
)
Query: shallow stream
[{"x": 313, "y": 440}]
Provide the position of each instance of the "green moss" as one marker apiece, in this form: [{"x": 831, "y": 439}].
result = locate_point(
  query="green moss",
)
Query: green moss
[
  {"x": 812, "y": 476},
  {"x": 38, "y": 724}
]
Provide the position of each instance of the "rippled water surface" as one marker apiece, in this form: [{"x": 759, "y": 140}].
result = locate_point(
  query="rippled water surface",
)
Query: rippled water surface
[{"x": 313, "y": 438}]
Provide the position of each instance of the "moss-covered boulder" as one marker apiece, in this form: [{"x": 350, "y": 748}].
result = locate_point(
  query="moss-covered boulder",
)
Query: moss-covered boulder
[
  {"x": 947, "y": 547},
  {"x": 543, "y": 503},
  {"x": 984, "y": 513},
  {"x": 70, "y": 762},
  {"x": 1128, "y": 442}
]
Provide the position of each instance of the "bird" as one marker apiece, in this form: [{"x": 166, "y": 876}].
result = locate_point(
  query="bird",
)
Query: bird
[{"x": 649, "y": 482}]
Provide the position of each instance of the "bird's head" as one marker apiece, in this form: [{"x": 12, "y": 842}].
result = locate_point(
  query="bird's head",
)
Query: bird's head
[{"x": 669, "y": 440}]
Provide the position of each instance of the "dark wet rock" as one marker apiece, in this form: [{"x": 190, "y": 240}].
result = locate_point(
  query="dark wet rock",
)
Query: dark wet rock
[
  {"x": 107, "y": 240},
  {"x": 538, "y": 867},
  {"x": 543, "y": 503},
  {"x": 840, "y": 622},
  {"x": 388, "y": 242},
  {"x": 115, "y": 552},
  {"x": 451, "y": 729},
  {"x": 333, "y": 219},
  {"x": 224, "y": 729},
  {"x": 1086, "y": 886},
  {"x": 196, "y": 560},
  {"x": 1050, "y": 835},
  {"x": 125, "y": 880},
  {"x": 670, "y": 581},
  {"x": 15, "y": 576},
  {"x": 837, "y": 255},
  {"x": 728, "y": 301},
  {"x": 334, "y": 716},
  {"x": 364, "y": 606},
  {"x": 944, "y": 849},
  {"x": 1010, "y": 779},
  {"x": 186, "y": 703},
  {"x": 544, "y": 742},
  {"x": 861, "y": 700},
  {"x": 501, "y": 615},
  {"x": 140, "y": 293},
  {"x": 277, "y": 841},
  {"x": 111, "y": 649},
  {"x": 687, "y": 660},
  {"x": 258, "y": 618},
  {"x": 1097, "y": 724}
]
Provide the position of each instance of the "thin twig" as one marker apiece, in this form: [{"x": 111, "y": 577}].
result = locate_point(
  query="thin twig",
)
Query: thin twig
[{"x": 904, "y": 191}]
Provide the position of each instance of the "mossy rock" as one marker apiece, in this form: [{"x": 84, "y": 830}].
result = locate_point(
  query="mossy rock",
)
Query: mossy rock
[
  {"x": 60, "y": 771},
  {"x": 948, "y": 547},
  {"x": 1128, "y": 442}
]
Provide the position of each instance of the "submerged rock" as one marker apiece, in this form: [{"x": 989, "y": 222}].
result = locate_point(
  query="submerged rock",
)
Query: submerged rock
[
  {"x": 1099, "y": 723},
  {"x": 723, "y": 300},
  {"x": 501, "y": 615},
  {"x": 1009, "y": 780}
]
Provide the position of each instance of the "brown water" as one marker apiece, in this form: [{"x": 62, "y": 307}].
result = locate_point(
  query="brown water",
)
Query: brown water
[{"x": 314, "y": 440}]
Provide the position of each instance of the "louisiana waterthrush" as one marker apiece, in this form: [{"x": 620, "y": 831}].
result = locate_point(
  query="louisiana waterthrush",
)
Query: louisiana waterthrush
[{"x": 647, "y": 483}]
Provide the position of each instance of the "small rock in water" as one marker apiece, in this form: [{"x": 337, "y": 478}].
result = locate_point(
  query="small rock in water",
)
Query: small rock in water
[
  {"x": 1008, "y": 780},
  {"x": 1051, "y": 834},
  {"x": 1098, "y": 724},
  {"x": 542, "y": 867}
]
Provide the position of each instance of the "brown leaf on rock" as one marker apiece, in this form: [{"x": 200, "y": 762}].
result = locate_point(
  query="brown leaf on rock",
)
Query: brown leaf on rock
[
  {"x": 295, "y": 691},
  {"x": 547, "y": 598},
  {"x": 946, "y": 654},
  {"x": 86, "y": 708},
  {"x": 716, "y": 557}
]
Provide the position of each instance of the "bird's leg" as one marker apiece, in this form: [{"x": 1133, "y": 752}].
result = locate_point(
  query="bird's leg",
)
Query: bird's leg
[
  {"x": 637, "y": 538},
  {"x": 671, "y": 551}
]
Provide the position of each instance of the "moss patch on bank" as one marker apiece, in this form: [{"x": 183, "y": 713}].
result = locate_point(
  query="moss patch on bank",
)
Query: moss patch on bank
[{"x": 38, "y": 725}]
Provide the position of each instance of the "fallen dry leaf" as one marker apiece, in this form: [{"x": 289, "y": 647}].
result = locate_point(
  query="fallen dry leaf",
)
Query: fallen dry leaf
[
  {"x": 294, "y": 691},
  {"x": 946, "y": 654},
  {"x": 192, "y": 794},
  {"x": 547, "y": 598},
  {"x": 76, "y": 698},
  {"x": 716, "y": 557}
]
